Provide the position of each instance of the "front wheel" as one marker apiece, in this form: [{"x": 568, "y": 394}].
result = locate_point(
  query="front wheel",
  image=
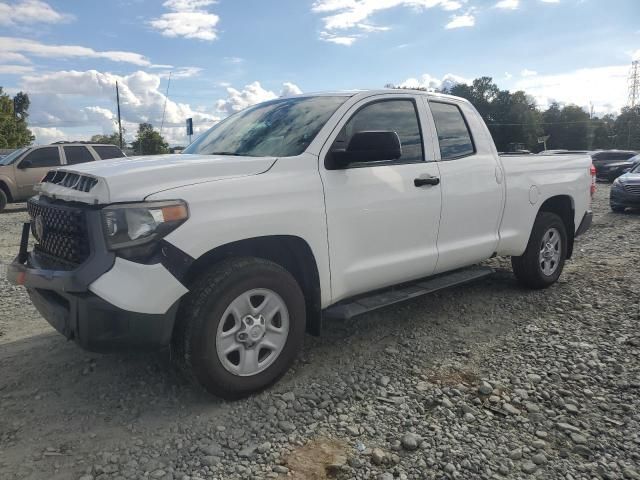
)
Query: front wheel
[
  {"x": 617, "y": 208},
  {"x": 241, "y": 326},
  {"x": 542, "y": 262},
  {"x": 3, "y": 200}
]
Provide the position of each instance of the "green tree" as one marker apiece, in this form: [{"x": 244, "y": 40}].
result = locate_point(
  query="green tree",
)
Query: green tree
[
  {"x": 569, "y": 127},
  {"x": 148, "y": 141},
  {"x": 13, "y": 125},
  {"x": 627, "y": 128},
  {"x": 113, "y": 139}
]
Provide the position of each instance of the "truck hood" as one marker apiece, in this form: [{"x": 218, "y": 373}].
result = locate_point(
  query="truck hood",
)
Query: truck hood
[{"x": 131, "y": 179}]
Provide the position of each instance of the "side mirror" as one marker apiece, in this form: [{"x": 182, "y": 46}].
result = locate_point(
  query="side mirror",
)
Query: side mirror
[
  {"x": 25, "y": 164},
  {"x": 364, "y": 147}
]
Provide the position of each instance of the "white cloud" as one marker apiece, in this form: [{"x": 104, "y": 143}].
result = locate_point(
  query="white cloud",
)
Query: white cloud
[
  {"x": 550, "y": 1},
  {"x": 346, "y": 20},
  {"x": 141, "y": 100},
  {"x": 188, "y": 19},
  {"x": 635, "y": 55},
  {"x": 528, "y": 73},
  {"x": 461, "y": 21},
  {"x": 13, "y": 45},
  {"x": 47, "y": 135},
  {"x": 507, "y": 76},
  {"x": 13, "y": 57},
  {"x": 604, "y": 87},
  {"x": 251, "y": 94},
  {"x": 183, "y": 72},
  {"x": 508, "y": 4},
  {"x": 15, "y": 69},
  {"x": 28, "y": 12},
  {"x": 431, "y": 83}
]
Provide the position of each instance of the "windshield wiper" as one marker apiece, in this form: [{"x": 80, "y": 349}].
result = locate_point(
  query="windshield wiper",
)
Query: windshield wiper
[{"x": 230, "y": 154}]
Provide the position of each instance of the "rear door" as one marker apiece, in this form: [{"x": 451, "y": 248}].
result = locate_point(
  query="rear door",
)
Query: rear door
[
  {"x": 33, "y": 167},
  {"x": 382, "y": 228},
  {"x": 471, "y": 183},
  {"x": 105, "y": 152}
]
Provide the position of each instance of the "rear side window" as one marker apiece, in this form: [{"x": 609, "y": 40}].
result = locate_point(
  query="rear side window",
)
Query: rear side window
[
  {"x": 453, "y": 133},
  {"x": 43, "y": 157},
  {"x": 106, "y": 152},
  {"x": 77, "y": 155},
  {"x": 398, "y": 116}
]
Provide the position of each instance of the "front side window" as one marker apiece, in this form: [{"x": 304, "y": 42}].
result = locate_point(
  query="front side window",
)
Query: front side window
[
  {"x": 42, "y": 157},
  {"x": 77, "y": 155},
  {"x": 13, "y": 156},
  {"x": 279, "y": 128},
  {"x": 453, "y": 133},
  {"x": 398, "y": 116}
]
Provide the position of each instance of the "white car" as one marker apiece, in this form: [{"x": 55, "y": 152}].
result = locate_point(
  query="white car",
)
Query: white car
[{"x": 287, "y": 212}]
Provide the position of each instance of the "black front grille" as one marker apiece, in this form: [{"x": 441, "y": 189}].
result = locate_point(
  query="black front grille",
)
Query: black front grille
[
  {"x": 60, "y": 230},
  {"x": 633, "y": 189}
]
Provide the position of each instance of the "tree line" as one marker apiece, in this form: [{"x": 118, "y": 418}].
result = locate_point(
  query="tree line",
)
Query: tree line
[{"x": 515, "y": 121}]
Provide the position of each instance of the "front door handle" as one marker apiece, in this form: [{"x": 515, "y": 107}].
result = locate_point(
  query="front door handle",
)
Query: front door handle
[{"x": 422, "y": 181}]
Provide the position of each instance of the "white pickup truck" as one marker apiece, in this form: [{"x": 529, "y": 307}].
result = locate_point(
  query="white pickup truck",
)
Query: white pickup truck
[{"x": 292, "y": 210}]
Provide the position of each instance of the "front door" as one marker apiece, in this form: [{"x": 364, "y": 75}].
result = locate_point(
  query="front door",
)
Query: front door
[
  {"x": 382, "y": 227},
  {"x": 33, "y": 167}
]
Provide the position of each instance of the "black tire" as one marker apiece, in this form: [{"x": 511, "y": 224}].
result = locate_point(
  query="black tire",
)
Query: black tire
[
  {"x": 194, "y": 341},
  {"x": 3, "y": 200},
  {"x": 527, "y": 268},
  {"x": 617, "y": 208}
]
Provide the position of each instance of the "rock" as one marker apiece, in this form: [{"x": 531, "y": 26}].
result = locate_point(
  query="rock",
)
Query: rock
[
  {"x": 515, "y": 454},
  {"x": 582, "y": 450},
  {"x": 571, "y": 408},
  {"x": 410, "y": 441},
  {"x": 468, "y": 417},
  {"x": 385, "y": 476},
  {"x": 211, "y": 449},
  {"x": 449, "y": 468},
  {"x": 507, "y": 407},
  {"x": 485, "y": 388},
  {"x": 384, "y": 381},
  {"x": 447, "y": 403},
  {"x": 578, "y": 438},
  {"x": 534, "y": 378},
  {"x": 210, "y": 460},
  {"x": 248, "y": 451},
  {"x": 288, "y": 397},
  {"x": 353, "y": 430},
  {"x": 286, "y": 426},
  {"x": 378, "y": 456},
  {"x": 264, "y": 447},
  {"x": 539, "y": 459},
  {"x": 539, "y": 444},
  {"x": 528, "y": 467}
]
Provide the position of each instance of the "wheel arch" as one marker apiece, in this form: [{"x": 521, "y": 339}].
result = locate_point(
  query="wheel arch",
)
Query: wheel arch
[
  {"x": 564, "y": 207},
  {"x": 290, "y": 252}
]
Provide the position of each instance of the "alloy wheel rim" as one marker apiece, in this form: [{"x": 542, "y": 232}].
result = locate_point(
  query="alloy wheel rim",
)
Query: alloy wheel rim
[
  {"x": 252, "y": 332},
  {"x": 550, "y": 248}
]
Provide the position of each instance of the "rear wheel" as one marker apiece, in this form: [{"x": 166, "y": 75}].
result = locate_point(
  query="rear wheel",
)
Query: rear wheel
[
  {"x": 241, "y": 327},
  {"x": 542, "y": 262},
  {"x": 3, "y": 200}
]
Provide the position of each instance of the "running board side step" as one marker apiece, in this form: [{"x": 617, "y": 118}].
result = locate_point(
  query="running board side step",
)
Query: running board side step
[{"x": 381, "y": 298}]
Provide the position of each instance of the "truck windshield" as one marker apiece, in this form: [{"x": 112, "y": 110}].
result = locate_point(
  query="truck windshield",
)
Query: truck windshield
[
  {"x": 278, "y": 128},
  {"x": 9, "y": 159}
]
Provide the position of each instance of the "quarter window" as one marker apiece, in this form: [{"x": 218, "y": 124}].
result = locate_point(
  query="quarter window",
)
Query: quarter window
[
  {"x": 453, "y": 133},
  {"x": 43, "y": 157},
  {"x": 398, "y": 116},
  {"x": 106, "y": 152},
  {"x": 77, "y": 155}
]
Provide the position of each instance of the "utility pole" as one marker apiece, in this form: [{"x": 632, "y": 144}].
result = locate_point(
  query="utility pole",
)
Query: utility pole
[
  {"x": 634, "y": 84},
  {"x": 119, "y": 121},
  {"x": 166, "y": 97}
]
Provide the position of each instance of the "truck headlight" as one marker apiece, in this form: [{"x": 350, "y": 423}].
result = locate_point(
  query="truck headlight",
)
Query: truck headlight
[
  {"x": 134, "y": 224},
  {"x": 617, "y": 184}
]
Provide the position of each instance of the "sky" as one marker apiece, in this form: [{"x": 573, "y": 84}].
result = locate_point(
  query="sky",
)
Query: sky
[{"x": 224, "y": 55}]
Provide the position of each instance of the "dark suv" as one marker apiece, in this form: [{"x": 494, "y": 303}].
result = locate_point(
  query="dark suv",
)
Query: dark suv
[{"x": 610, "y": 164}]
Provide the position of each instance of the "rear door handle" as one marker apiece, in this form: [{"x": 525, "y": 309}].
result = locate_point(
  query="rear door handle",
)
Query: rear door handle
[{"x": 422, "y": 181}]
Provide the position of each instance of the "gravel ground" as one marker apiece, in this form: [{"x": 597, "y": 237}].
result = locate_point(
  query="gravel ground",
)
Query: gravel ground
[{"x": 482, "y": 381}]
